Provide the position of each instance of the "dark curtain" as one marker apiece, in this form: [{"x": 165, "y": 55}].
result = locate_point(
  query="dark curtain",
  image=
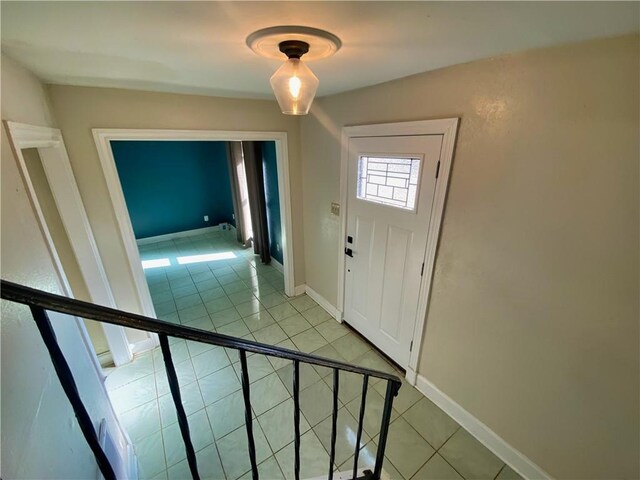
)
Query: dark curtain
[
  {"x": 238, "y": 190},
  {"x": 257, "y": 201}
]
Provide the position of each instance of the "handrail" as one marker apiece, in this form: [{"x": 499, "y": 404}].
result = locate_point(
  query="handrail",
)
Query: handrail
[
  {"x": 58, "y": 303},
  {"x": 40, "y": 302}
]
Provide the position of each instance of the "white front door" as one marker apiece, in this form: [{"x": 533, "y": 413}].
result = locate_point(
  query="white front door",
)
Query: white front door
[{"x": 391, "y": 184}]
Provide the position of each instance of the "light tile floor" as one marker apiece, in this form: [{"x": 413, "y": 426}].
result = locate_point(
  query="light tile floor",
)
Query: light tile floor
[{"x": 237, "y": 295}]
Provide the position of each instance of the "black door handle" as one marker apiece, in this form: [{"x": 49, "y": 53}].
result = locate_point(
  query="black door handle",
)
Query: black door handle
[{"x": 349, "y": 252}]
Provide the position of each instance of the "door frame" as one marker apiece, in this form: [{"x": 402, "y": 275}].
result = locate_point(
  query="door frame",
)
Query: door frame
[
  {"x": 57, "y": 168},
  {"x": 446, "y": 127},
  {"x": 103, "y": 138}
]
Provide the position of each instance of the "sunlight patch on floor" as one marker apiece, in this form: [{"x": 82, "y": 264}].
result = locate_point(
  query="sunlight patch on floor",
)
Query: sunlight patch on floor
[
  {"x": 208, "y": 257},
  {"x": 158, "y": 262}
]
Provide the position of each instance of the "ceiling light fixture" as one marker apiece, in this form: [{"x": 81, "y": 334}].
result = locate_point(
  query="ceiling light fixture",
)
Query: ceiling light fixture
[{"x": 294, "y": 84}]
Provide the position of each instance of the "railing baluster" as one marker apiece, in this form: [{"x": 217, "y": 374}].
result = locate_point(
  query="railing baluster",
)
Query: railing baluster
[
  {"x": 248, "y": 418},
  {"x": 392, "y": 391},
  {"x": 56, "y": 303},
  {"x": 174, "y": 387},
  {"x": 365, "y": 385},
  {"x": 40, "y": 302},
  {"x": 71, "y": 390},
  {"x": 296, "y": 416},
  {"x": 334, "y": 421}
]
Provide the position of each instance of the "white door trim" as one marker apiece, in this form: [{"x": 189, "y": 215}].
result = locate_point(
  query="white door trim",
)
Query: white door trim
[
  {"x": 103, "y": 137},
  {"x": 57, "y": 168},
  {"x": 448, "y": 128}
]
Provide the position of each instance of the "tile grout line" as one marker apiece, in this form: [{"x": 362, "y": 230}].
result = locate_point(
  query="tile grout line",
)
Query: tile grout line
[
  {"x": 500, "y": 471},
  {"x": 444, "y": 458},
  {"x": 247, "y": 282}
]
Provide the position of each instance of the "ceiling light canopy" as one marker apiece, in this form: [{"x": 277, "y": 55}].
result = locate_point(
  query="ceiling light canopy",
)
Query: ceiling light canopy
[{"x": 294, "y": 84}]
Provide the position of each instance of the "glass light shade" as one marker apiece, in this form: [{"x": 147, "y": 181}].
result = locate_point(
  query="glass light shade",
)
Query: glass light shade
[{"x": 294, "y": 85}]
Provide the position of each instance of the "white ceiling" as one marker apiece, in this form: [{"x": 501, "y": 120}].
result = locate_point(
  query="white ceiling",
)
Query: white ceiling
[{"x": 199, "y": 47}]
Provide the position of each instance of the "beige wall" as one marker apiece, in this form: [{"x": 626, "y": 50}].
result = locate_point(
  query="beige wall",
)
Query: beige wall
[
  {"x": 79, "y": 109},
  {"x": 40, "y": 435},
  {"x": 533, "y": 323},
  {"x": 61, "y": 241},
  {"x": 54, "y": 223}
]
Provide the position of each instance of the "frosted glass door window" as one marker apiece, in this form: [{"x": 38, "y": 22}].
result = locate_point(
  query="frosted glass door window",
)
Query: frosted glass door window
[{"x": 389, "y": 181}]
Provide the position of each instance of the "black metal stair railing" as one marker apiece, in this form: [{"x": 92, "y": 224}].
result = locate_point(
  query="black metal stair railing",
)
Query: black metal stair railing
[{"x": 40, "y": 302}]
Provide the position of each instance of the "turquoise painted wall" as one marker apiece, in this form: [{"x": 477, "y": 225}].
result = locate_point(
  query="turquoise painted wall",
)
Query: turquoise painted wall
[
  {"x": 270, "y": 172},
  {"x": 169, "y": 186}
]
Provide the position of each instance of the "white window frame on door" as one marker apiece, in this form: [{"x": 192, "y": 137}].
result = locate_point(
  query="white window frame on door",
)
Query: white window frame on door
[
  {"x": 57, "y": 168},
  {"x": 448, "y": 128},
  {"x": 103, "y": 138}
]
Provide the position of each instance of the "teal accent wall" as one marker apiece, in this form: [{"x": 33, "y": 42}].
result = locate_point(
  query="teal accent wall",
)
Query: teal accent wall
[
  {"x": 169, "y": 186},
  {"x": 270, "y": 172}
]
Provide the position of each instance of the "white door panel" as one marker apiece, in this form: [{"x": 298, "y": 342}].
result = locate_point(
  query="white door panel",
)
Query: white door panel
[{"x": 389, "y": 202}]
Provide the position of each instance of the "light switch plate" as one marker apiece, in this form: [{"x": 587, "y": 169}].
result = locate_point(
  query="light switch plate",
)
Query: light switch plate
[{"x": 335, "y": 208}]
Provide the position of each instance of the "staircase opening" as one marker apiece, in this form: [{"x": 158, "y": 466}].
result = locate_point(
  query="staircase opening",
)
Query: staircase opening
[{"x": 291, "y": 419}]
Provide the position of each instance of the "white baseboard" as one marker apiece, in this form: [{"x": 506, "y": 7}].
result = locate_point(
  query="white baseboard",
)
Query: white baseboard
[
  {"x": 132, "y": 463},
  {"x": 324, "y": 303},
  {"x": 171, "y": 236},
  {"x": 299, "y": 290},
  {"x": 143, "y": 345},
  {"x": 105, "y": 358},
  {"x": 512, "y": 457},
  {"x": 120, "y": 454},
  {"x": 277, "y": 265}
]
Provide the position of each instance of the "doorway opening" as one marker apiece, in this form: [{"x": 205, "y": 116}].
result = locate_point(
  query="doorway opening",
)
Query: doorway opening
[
  {"x": 64, "y": 250},
  {"x": 207, "y": 224},
  {"x": 48, "y": 180},
  {"x": 44, "y": 165},
  {"x": 103, "y": 139}
]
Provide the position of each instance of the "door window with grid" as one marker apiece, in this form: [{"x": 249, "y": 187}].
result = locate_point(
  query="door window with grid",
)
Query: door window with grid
[{"x": 391, "y": 181}]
